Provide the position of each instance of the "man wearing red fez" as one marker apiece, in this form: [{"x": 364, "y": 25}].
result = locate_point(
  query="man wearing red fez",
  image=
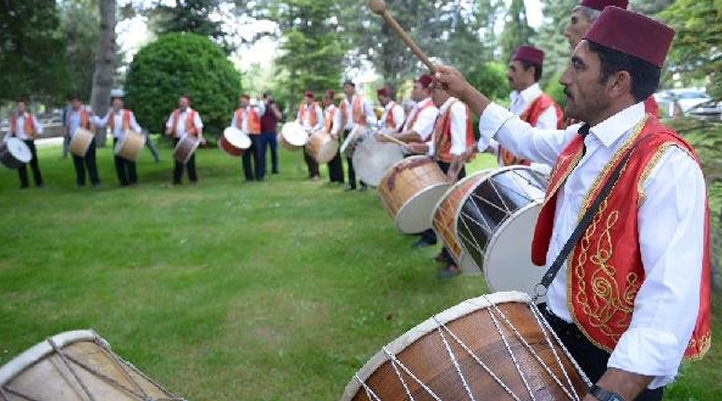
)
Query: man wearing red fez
[
  {"x": 310, "y": 117},
  {"x": 582, "y": 18},
  {"x": 332, "y": 125},
  {"x": 527, "y": 99},
  {"x": 631, "y": 299},
  {"x": 420, "y": 122},
  {"x": 392, "y": 119},
  {"x": 248, "y": 119},
  {"x": 181, "y": 122},
  {"x": 355, "y": 111}
]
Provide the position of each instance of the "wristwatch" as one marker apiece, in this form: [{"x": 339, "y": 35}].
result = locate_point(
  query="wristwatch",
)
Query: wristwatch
[{"x": 604, "y": 395}]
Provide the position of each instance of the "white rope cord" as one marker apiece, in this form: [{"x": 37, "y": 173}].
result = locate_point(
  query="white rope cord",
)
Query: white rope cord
[
  {"x": 408, "y": 372},
  {"x": 486, "y": 368},
  {"x": 369, "y": 392},
  {"x": 401, "y": 379},
  {"x": 454, "y": 361},
  {"x": 501, "y": 198},
  {"x": 501, "y": 208}
]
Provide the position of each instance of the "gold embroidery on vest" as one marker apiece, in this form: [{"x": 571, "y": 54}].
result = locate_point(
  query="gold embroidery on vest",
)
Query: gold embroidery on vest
[{"x": 653, "y": 163}]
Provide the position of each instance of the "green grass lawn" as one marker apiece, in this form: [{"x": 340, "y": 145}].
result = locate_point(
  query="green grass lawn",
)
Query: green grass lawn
[{"x": 227, "y": 290}]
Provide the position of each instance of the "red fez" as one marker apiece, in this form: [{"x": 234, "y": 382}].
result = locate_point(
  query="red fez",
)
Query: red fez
[
  {"x": 530, "y": 54},
  {"x": 330, "y": 94},
  {"x": 246, "y": 96},
  {"x": 632, "y": 34},
  {"x": 425, "y": 80},
  {"x": 602, "y": 4},
  {"x": 383, "y": 92},
  {"x": 309, "y": 94}
]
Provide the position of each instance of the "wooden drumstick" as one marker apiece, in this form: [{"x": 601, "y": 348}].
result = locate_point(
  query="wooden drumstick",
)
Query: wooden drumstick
[
  {"x": 393, "y": 139},
  {"x": 379, "y": 7}
]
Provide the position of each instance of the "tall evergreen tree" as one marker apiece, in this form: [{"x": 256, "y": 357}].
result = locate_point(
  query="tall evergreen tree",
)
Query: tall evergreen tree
[
  {"x": 550, "y": 37},
  {"x": 517, "y": 31},
  {"x": 193, "y": 16}
]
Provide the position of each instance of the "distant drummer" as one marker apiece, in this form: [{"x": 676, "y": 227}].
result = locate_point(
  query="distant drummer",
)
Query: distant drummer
[
  {"x": 452, "y": 137},
  {"x": 332, "y": 125},
  {"x": 247, "y": 118},
  {"x": 355, "y": 111},
  {"x": 419, "y": 122},
  {"x": 392, "y": 118},
  {"x": 120, "y": 120},
  {"x": 181, "y": 122},
  {"x": 25, "y": 126},
  {"x": 78, "y": 116},
  {"x": 310, "y": 117}
]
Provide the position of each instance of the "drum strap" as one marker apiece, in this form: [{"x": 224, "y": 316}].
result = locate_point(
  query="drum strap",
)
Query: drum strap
[{"x": 553, "y": 270}]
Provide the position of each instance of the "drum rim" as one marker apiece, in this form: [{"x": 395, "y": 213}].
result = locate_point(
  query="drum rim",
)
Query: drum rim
[
  {"x": 21, "y": 143},
  {"x": 32, "y": 355},
  {"x": 228, "y": 139},
  {"x": 358, "y": 170},
  {"x": 291, "y": 124},
  {"x": 223, "y": 139},
  {"x": 416, "y": 195},
  {"x": 121, "y": 143},
  {"x": 427, "y": 326}
]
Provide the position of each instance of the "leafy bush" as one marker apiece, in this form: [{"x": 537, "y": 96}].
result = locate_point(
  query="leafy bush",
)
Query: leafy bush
[
  {"x": 182, "y": 63},
  {"x": 490, "y": 79},
  {"x": 556, "y": 90}
]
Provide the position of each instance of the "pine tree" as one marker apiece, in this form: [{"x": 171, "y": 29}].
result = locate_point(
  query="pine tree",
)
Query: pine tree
[{"x": 517, "y": 31}]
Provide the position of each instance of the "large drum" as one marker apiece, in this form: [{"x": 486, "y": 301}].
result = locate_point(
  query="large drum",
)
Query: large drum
[
  {"x": 79, "y": 144},
  {"x": 322, "y": 147},
  {"x": 409, "y": 191},
  {"x": 357, "y": 135},
  {"x": 185, "y": 148},
  {"x": 76, "y": 366},
  {"x": 14, "y": 153},
  {"x": 495, "y": 225},
  {"x": 446, "y": 218},
  {"x": 494, "y": 347},
  {"x": 372, "y": 159},
  {"x": 130, "y": 145},
  {"x": 293, "y": 136},
  {"x": 234, "y": 142}
]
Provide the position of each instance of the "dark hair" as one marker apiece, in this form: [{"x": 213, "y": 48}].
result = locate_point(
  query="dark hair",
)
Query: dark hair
[
  {"x": 74, "y": 96},
  {"x": 190, "y": 100},
  {"x": 22, "y": 100},
  {"x": 349, "y": 82},
  {"x": 537, "y": 69},
  {"x": 645, "y": 75}
]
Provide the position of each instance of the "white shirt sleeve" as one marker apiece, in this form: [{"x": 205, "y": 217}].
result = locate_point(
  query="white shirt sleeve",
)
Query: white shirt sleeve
[
  {"x": 169, "y": 123},
  {"x": 37, "y": 125},
  {"x": 399, "y": 116},
  {"x": 458, "y": 129},
  {"x": 134, "y": 124},
  {"x": 319, "y": 119},
  {"x": 233, "y": 120},
  {"x": 520, "y": 138},
  {"x": 261, "y": 109},
  {"x": 336, "y": 126},
  {"x": 424, "y": 125},
  {"x": 100, "y": 122},
  {"x": 671, "y": 222},
  {"x": 548, "y": 119},
  {"x": 198, "y": 121}
]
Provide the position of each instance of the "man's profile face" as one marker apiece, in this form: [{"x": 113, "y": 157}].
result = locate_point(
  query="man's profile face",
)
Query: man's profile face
[
  {"x": 349, "y": 90},
  {"x": 578, "y": 26},
  {"x": 244, "y": 101},
  {"x": 75, "y": 104},
  {"x": 117, "y": 103},
  {"x": 585, "y": 95},
  {"x": 519, "y": 78},
  {"x": 183, "y": 102},
  {"x": 22, "y": 107}
]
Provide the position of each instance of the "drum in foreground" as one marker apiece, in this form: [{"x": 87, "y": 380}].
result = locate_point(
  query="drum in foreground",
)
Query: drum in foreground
[
  {"x": 234, "y": 141},
  {"x": 294, "y": 136},
  {"x": 354, "y": 138},
  {"x": 372, "y": 159},
  {"x": 410, "y": 190},
  {"x": 446, "y": 218},
  {"x": 322, "y": 147},
  {"x": 496, "y": 225},
  {"x": 494, "y": 347},
  {"x": 185, "y": 148},
  {"x": 14, "y": 153},
  {"x": 130, "y": 145},
  {"x": 79, "y": 144},
  {"x": 76, "y": 366}
]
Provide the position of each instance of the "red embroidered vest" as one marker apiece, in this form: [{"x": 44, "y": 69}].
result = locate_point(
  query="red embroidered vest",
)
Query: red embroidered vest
[
  {"x": 390, "y": 123},
  {"x": 608, "y": 255},
  {"x": 254, "y": 121},
  {"x": 126, "y": 120},
  {"x": 531, "y": 115},
  {"x": 442, "y": 134},
  {"x": 313, "y": 120},
  {"x": 412, "y": 122},
  {"x": 190, "y": 127},
  {"x": 651, "y": 106},
  {"x": 28, "y": 127},
  {"x": 329, "y": 118}
]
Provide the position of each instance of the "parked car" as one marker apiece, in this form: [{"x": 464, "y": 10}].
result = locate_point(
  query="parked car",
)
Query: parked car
[
  {"x": 680, "y": 99},
  {"x": 710, "y": 110}
]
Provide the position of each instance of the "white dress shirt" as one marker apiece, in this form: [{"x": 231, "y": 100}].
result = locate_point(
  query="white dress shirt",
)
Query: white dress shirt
[
  {"x": 260, "y": 109},
  {"x": 398, "y": 114},
  {"x": 306, "y": 123},
  {"x": 336, "y": 123},
  {"x": 181, "y": 126},
  {"x": 366, "y": 109},
  {"x": 458, "y": 127},
  {"x": 671, "y": 222},
  {"x": 20, "y": 127},
  {"x": 520, "y": 101},
  {"x": 424, "y": 125},
  {"x": 73, "y": 120},
  {"x": 117, "y": 116}
]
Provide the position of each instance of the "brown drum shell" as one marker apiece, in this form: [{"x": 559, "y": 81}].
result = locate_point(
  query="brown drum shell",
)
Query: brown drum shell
[
  {"x": 321, "y": 147},
  {"x": 185, "y": 148},
  {"x": 226, "y": 146},
  {"x": 406, "y": 179},
  {"x": 130, "y": 145},
  {"x": 284, "y": 144}
]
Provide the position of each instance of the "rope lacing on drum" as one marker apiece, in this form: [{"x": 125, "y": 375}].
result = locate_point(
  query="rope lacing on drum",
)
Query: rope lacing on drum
[
  {"x": 401, "y": 379},
  {"x": 408, "y": 372},
  {"x": 454, "y": 361},
  {"x": 64, "y": 359},
  {"x": 369, "y": 393}
]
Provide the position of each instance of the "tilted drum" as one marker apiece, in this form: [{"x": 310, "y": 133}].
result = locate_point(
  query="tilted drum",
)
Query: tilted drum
[
  {"x": 185, "y": 148},
  {"x": 409, "y": 191},
  {"x": 76, "y": 366},
  {"x": 293, "y": 136},
  {"x": 234, "y": 141},
  {"x": 494, "y": 347},
  {"x": 130, "y": 145},
  {"x": 80, "y": 142},
  {"x": 358, "y": 134},
  {"x": 14, "y": 153},
  {"x": 322, "y": 147},
  {"x": 372, "y": 159}
]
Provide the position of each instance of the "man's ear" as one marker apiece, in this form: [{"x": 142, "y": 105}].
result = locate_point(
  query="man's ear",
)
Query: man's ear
[{"x": 620, "y": 84}]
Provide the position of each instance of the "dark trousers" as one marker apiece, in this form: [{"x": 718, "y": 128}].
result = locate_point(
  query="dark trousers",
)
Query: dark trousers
[
  {"x": 190, "y": 166},
  {"x": 429, "y": 235},
  {"x": 84, "y": 163},
  {"x": 125, "y": 169},
  {"x": 335, "y": 169},
  {"x": 253, "y": 171},
  {"x": 351, "y": 171},
  {"x": 591, "y": 359},
  {"x": 269, "y": 139},
  {"x": 312, "y": 165},
  {"x": 23, "y": 170}
]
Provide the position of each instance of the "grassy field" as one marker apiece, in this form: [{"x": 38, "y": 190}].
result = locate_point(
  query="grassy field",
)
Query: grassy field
[{"x": 227, "y": 290}]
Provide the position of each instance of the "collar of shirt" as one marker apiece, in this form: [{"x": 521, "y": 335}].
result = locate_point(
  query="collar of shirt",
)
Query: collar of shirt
[
  {"x": 527, "y": 95},
  {"x": 330, "y": 107},
  {"x": 446, "y": 105},
  {"x": 611, "y": 129},
  {"x": 390, "y": 105},
  {"x": 188, "y": 110}
]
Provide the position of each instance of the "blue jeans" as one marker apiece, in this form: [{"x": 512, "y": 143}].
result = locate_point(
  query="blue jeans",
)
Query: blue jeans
[{"x": 269, "y": 138}]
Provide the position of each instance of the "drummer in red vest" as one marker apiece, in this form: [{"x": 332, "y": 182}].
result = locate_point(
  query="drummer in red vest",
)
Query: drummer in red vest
[
  {"x": 332, "y": 125},
  {"x": 25, "y": 126},
  {"x": 631, "y": 299},
  {"x": 419, "y": 123},
  {"x": 528, "y": 101},
  {"x": 355, "y": 111},
  {"x": 310, "y": 116},
  {"x": 452, "y": 137},
  {"x": 181, "y": 122},
  {"x": 247, "y": 118},
  {"x": 583, "y": 16},
  {"x": 76, "y": 117},
  {"x": 393, "y": 116},
  {"x": 120, "y": 120}
]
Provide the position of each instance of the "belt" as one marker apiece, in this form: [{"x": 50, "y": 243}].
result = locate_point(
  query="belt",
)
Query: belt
[{"x": 562, "y": 327}]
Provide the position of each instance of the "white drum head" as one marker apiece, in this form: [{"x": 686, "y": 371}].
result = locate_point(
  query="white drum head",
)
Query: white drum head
[
  {"x": 237, "y": 138},
  {"x": 294, "y": 134},
  {"x": 372, "y": 159},
  {"x": 507, "y": 262},
  {"x": 415, "y": 215},
  {"x": 19, "y": 150},
  {"x": 327, "y": 152}
]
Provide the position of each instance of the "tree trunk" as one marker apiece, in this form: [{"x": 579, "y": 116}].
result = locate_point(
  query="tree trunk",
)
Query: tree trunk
[{"x": 104, "y": 64}]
